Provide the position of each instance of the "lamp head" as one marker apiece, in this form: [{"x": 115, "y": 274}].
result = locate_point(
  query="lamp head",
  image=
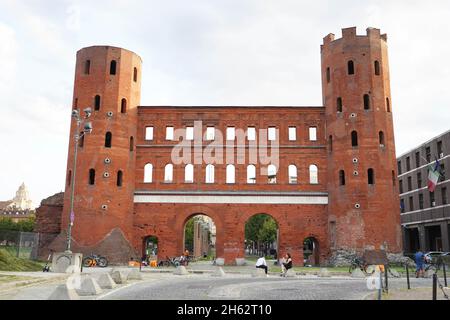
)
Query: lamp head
[
  {"x": 87, "y": 127},
  {"x": 75, "y": 114},
  {"x": 87, "y": 112}
]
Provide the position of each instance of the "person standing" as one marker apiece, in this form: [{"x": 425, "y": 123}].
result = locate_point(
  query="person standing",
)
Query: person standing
[
  {"x": 262, "y": 264},
  {"x": 419, "y": 258}
]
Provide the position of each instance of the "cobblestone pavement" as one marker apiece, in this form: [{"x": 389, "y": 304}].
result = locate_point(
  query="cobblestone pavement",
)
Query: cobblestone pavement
[{"x": 235, "y": 287}]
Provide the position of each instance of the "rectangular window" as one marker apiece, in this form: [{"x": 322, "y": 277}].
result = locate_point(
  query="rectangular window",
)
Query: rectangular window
[
  {"x": 149, "y": 133},
  {"x": 189, "y": 133},
  {"x": 402, "y": 205},
  {"x": 432, "y": 200},
  {"x": 272, "y": 134},
  {"x": 419, "y": 180},
  {"x": 400, "y": 186},
  {"x": 439, "y": 149},
  {"x": 411, "y": 204},
  {"x": 169, "y": 133},
  {"x": 409, "y": 183},
  {"x": 251, "y": 133},
  {"x": 399, "y": 166},
  {"x": 444, "y": 195},
  {"x": 428, "y": 154},
  {"x": 420, "y": 200},
  {"x": 312, "y": 134},
  {"x": 417, "y": 159},
  {"x": 292, "y": 133},
  {"x": 231, "y": 134},
  {"x": 408, "y": 164},
  {"x": 210, "y": 133},
  {"x": 442, "y": 172}
]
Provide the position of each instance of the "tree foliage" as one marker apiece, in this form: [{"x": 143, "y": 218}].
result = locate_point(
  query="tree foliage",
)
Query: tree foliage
[
  {"x": 26, "y": 225},
  {"x": 189, "y": 234},
  {"x": 261, "y": 228}
]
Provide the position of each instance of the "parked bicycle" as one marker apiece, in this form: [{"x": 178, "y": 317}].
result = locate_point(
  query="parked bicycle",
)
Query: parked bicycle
[
  {"x": 358, "y": 263},
  {"x": 170, "y": 262},
  {"x": 95, "y": 261}
]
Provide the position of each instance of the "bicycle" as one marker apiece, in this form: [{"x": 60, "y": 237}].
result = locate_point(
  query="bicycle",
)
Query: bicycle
[
  {"x": 95, "y": 261},
  {"x": 175, "y": 262},
  {"x": 362, "y": 265}
]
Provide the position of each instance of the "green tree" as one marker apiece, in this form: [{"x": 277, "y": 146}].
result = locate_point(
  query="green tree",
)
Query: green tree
[
  {"x": 268, "y": 233},
  {"x": 26, "y": 225},
  {"x": 189, "y": 234}
]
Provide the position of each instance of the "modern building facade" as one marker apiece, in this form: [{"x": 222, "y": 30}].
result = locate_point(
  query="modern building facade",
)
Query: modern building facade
[
  {"x": 326, "y": 173},
  {"x": 425, "y": 215}
]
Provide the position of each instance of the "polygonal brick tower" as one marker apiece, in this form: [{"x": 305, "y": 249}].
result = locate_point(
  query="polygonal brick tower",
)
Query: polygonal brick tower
[
  {"x": 363, "y": 195},
  {"x": 107, "y": 79}
]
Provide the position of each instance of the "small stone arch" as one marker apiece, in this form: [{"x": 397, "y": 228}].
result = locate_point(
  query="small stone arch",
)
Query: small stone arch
[
  {"x": 183, "y": 217},
  {"x": 311, "y": 251}
]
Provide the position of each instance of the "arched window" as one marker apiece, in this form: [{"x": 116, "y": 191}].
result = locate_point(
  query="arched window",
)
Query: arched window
[
  {"x": 313, "y": 174},
  {"x": 330, "y": 143},
  {"x": 388, "y": 105},
  {"x": 131, "y": 144},
  {"x": 135, "y": 74},
  {"x": 377, "y": 68},
  {"x": 354, "y": 139},
  {"x": 366, "y": 102},
  {"x": 351, "y": 67},
  {"x": 370, "y": 176},
  {"x": 112, "y": 67},
  {"x": 251, "y": 174},
  {"x": 119, "y": 178},
  {"x": 342, "y": 178},
  {"x": 292, "y": 172},
  {"x": 97, "y": 101},
  {"x": 123, "y": 106},
  {"x": 339, "y": 104},
  {"x": 231, "y": 174},
  {"x": 69, "y": 177},
  {"x": 209, "y": 178},
  {"x": 87, "y": 66},
  {"x": 381, "y": 138},
  {"x": 168, "y": 173},
  {"x": 91, "y": 176},
  {"x": 148, "y": 173},
  {"x": 271, "y": 174},
  {"x": 108, "y": 140},
  {"x": 328, "y": 75},
  {"x": 189, "y": 173},
  {"x": 81, "y": 140}
]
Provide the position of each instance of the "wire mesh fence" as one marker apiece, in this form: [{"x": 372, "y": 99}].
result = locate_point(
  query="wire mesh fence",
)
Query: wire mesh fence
[{"x": 20, "y": 244}]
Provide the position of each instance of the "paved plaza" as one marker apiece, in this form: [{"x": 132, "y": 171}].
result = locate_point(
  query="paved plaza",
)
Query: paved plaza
[{"x": 238, "y": 283}]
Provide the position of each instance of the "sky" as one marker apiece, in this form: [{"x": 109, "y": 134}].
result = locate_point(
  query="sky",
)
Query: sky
[{"x": 203, "y": 52}]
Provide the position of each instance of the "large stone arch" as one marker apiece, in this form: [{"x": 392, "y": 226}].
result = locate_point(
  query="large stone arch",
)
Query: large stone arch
[
  {"x": 246, "y": 217},
  {"x": 186, "y": 214}
]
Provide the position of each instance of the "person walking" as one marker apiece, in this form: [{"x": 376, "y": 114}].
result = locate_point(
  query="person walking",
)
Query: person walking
[
  {"x": 419, "y": 258},
  {"x": 262, "y": 264}
]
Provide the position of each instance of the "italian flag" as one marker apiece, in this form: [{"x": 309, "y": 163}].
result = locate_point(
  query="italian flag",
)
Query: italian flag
[{"x": 433, "y": 176}]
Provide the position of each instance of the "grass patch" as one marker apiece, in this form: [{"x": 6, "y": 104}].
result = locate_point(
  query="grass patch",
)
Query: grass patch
[{"x": 9, "y": 262}]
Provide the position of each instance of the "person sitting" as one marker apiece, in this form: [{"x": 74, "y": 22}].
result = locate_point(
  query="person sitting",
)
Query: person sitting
[
  {"x": 286, "y": 264},
  {"x": 262, "y": 264}
]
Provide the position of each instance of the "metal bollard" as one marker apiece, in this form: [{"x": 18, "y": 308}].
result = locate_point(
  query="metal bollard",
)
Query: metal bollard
[
  {"x": 381, "y": 284},
  {"x": 407, "y": 276},
  {"x": 445, "y": 273},
  {"x": 386, "y": 278},
  {"x": 434, "y": 286}
]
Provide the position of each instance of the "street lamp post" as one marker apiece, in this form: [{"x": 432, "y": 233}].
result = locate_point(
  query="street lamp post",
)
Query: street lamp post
[{"x": 86, "y": 129}]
